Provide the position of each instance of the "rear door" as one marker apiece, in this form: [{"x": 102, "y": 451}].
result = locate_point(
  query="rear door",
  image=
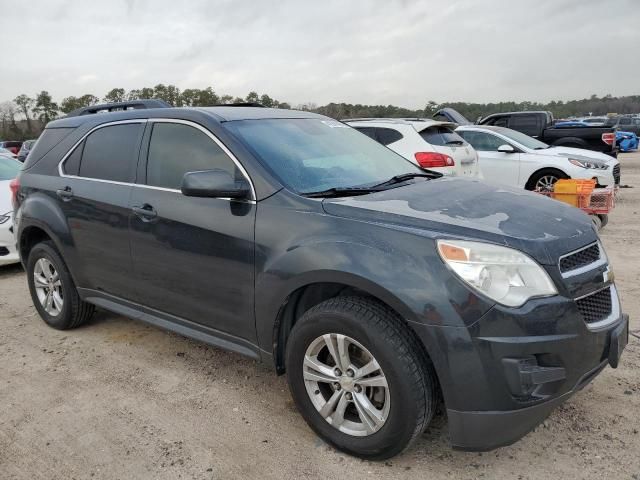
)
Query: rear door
[
  {"x": 96, "y": 183},
  {"x": 193, "y": 257},
  {"x": 496, "y": 167}
]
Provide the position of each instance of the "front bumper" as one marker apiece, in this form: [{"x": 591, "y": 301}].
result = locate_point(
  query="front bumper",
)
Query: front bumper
[
  {"x": 8, "y": 251},
  {"x": 505, "y": 374}
]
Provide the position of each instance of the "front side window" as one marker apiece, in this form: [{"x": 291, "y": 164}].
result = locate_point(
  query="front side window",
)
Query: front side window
[
  {"x": 110, "y": 153},
  {"x": 310, "y": 155},
  {"x": 175, "y": 149},
  {"x": 483, "y": 142}
]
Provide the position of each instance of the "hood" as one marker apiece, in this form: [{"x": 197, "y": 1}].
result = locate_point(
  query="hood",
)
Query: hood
[
  {"x": 578, "y": 154},
  {"x": 470, "y": 209}
]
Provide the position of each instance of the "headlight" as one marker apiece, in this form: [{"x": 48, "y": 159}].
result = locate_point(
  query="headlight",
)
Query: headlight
[
  {"x": 594, "y": 164},
  {"x": 5, "y": 217},
  {"x": 503, "y": 274}
]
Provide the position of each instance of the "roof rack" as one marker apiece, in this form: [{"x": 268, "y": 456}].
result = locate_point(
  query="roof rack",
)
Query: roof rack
[
  {"x": 240, "y": 104},
  {"x": 119, "y": 106}
]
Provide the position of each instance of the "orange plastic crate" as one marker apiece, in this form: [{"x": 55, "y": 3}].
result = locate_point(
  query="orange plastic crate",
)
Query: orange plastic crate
[{"x": 574, "y": 192}]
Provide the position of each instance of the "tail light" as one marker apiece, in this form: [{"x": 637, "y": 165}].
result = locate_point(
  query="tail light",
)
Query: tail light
[
  {"x": 14, "y": 186},
  {"x": 433, "y": 159},
  {"x": 609, "y": 138}
]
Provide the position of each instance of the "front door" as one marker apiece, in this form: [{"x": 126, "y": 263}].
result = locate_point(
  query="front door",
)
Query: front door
[
  {"x": 193, "y": 257},
  {"x": 496, "y": 167}
]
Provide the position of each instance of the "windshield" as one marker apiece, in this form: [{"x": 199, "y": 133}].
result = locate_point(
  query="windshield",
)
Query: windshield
[
  {"x": 9, "y": 168},
  {"x": 522, "y": 139},
  {"x": 311, "y": 155}
]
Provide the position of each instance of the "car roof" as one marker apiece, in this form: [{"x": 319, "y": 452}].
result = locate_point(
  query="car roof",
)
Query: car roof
[
  {"x": 218, "y": 113},
  {"x": 527, "y": 112},
  {"x": 491, "y": 128}
]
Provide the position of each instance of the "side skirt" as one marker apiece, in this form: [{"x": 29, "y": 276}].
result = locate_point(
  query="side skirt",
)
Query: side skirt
[{"x": 172, "y": 323}]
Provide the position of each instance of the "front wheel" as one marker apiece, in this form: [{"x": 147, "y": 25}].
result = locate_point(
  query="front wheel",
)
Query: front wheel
[
  {"x": 360, "y": 378},
  {"x": 545, "y": 180}
]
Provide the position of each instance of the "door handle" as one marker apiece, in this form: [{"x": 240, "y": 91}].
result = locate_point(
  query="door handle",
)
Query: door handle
[
  {"x": 65, "y": 194},
  {"x": 146, "y": 212}
]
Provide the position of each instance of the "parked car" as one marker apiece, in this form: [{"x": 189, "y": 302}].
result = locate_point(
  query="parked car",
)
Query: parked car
[
  {"x": 24, "y": 150},
  {"x": 13, "y": 147},
  {"x": 540, "y": 125},
  {"x": 379, "y": 288},
  {"x": 627, "y": 124},
  {"x": 4, "y": 152},
  {"x": 594, "y": 121},
  {"x": 9, "y": 169},
  {"x": 427, "y": 143},
  {"x": 516, "y": 159}
]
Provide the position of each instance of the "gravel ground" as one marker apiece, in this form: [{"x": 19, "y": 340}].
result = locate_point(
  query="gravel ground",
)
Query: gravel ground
[{"x": 119, "y": 399}]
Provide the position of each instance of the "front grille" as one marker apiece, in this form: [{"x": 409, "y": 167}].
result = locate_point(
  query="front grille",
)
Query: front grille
[
  {"x": 595, "y": 307},
  {"x": 580, "y": 258},
  {"x": 616, "y": 174}
]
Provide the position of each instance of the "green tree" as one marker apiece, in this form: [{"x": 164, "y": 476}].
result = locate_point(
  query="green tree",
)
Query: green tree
[
  {"x": 46, "y": 109},
  {"x": 266, "y": 100},
  {"x": 69, "y": 104},
  {"x": 25, "y": 104},
  {"x": 252, "y": 97},
  {"x": 115, "y": 95}
]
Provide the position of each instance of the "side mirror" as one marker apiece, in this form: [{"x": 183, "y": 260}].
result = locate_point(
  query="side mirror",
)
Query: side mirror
[
  {"x": 214, "y": 184},
  {"x": 506, "y": 148}
]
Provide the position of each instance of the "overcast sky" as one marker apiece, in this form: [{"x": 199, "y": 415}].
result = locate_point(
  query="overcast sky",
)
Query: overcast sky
[{"x": 376, "y": 51}]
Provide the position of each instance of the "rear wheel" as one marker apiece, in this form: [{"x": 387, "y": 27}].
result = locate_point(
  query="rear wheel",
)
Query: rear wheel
[
  {"x": 52, "y": 290},
  {"x": 359, "y": 378},
  {"x": 545, "y": 179}
]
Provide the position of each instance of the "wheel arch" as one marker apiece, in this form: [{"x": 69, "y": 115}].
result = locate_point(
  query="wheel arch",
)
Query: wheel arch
[
  {"x": 570, "y": 142},
  {"x": 541, "y": 171}
]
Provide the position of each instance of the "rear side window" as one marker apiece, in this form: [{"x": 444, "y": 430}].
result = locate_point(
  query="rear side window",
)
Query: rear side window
[
  {"x": 176, "y": 149},
  {"x": 111, "y": 153},
  {"x": 387, "y": 136},
  {"x": 442, "y": 136},
  {"x": 72, "y": 163},
  {"x": 527, "y": 124},
  {"x": 625, "y": 121},
  {"x": 368, "y": 131},
  {"x": 48, "y": 139}
]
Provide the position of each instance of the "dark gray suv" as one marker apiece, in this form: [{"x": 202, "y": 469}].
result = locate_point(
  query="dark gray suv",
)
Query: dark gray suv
[{"x": 382, "y": 290}]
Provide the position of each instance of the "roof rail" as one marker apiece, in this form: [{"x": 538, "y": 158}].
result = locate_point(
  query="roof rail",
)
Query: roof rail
[
  {"x": 239, "y": 104},
  {"x": 119, "y": 106},
  {"x": 387, "y": 119}
]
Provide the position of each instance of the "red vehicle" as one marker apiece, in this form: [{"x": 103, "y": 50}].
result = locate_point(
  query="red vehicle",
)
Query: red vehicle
[{"x": 14, "y": 147}]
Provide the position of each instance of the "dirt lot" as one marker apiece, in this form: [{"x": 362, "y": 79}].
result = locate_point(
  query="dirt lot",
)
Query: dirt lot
[{"x": 119, "y": 399}]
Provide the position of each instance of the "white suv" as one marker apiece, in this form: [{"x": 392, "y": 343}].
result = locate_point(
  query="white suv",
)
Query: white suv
[{"x": 428, "y": 143}]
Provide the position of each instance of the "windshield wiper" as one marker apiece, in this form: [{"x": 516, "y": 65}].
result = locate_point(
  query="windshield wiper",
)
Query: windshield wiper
[
  {"x": 341, "y": 192},
  {"x": 408, "y": 176}
]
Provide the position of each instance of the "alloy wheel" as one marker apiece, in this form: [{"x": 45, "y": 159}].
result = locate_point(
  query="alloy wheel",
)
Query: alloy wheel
[
  {"x": 546, "y": 182},
  {"x": 346, "y": 384},
  {"x": 48, "y": 287}
]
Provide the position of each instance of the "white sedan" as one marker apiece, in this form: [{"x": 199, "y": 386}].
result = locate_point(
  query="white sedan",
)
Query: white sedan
[
  {"x": 9, "y": 169},
  {"x": 513, "y": 158}
]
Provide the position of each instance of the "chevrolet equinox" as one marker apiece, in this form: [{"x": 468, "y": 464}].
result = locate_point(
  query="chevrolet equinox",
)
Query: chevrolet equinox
[{"x": 381, "y": 289}]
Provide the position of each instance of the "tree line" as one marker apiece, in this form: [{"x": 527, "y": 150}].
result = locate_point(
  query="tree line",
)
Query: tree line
[{"x": 25, "y": 116}]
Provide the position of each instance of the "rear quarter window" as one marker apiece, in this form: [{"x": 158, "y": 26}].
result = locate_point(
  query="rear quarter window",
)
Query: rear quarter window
[
  {"x": 47, "y": 140},
  {"x": 528, "y": 124}
]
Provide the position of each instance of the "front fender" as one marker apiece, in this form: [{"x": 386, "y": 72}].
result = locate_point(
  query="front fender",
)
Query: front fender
[{"x": 400, "y": 268}]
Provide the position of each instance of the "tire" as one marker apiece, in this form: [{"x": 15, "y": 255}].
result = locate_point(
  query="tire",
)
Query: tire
[
  {"x": 538, "y": 176},
  {"x": 604, "y": 219},
  {"x": 597, "y": 221},
  {"x": 409, "y": 399},
  {"x": 66, "y": 309}
]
